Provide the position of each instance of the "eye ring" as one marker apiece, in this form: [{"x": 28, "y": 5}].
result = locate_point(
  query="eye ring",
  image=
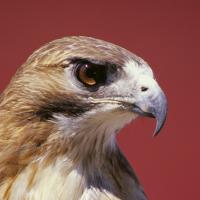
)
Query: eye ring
[{"x": 91, "y": 74}]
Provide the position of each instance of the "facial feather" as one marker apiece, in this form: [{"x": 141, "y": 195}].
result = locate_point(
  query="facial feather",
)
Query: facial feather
[{"x": 57, "y": 134}]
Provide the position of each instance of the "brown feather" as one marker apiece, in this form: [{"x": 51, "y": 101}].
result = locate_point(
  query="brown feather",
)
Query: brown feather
[{"x": 31, "y": 145}]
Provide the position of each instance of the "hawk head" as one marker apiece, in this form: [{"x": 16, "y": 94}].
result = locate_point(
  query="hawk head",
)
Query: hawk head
[
  {"x": 61, "y": 112},
  {"x": 86, "y": 87}
]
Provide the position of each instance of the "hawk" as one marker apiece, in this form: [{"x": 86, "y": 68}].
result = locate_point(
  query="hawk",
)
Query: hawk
[{"x": 59, "y": 118}]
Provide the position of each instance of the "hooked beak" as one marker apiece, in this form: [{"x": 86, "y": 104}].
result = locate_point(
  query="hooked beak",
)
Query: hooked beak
[{"x": 155, "y": 107}]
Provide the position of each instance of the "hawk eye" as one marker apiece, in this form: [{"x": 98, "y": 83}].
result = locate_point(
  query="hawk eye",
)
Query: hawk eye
[{"x": 91, "y": 74}]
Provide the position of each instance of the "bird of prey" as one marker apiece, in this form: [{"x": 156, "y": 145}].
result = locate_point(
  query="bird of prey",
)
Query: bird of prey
[{"x": 59, "y": 117}]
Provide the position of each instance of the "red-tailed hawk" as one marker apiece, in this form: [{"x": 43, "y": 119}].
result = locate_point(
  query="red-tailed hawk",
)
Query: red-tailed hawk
[{"x": 59, "y": 117}]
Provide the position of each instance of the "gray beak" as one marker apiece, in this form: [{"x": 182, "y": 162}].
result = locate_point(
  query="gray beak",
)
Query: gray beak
[{"x": 155, "y": 107}]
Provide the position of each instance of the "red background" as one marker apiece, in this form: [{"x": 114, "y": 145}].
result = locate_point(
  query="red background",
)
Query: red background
[{"x": 166, "y": 34}]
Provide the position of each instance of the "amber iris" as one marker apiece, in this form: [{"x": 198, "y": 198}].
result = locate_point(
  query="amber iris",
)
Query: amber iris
[
  {"x": 91, "y": 74},
  {"x": 87, "y": 74}
]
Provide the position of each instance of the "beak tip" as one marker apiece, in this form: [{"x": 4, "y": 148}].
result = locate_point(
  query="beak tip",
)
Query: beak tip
[
  {"x": 160, "y": 122},
  {"x": 156, "y": 132}
]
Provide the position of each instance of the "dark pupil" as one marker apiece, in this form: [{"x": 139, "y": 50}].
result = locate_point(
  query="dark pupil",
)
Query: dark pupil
[{"x": 98, "y": 73}]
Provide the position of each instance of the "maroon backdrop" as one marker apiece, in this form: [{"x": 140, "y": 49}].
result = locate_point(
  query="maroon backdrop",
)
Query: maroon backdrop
[{"x": 167, "y": 36}]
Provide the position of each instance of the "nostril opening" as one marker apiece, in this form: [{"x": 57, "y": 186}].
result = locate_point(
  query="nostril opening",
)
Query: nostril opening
[{"x": 144, "y": 89}]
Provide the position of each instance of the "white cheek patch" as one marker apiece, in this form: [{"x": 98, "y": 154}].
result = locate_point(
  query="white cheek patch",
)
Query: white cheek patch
[{"x": 105, "y": 120}]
